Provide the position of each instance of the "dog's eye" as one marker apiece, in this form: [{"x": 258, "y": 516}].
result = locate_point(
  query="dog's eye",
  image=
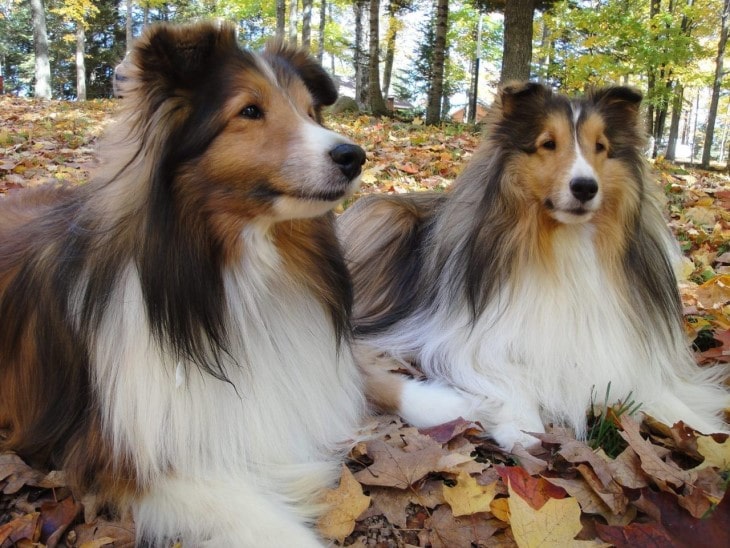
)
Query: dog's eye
[
  {"x": 252, "y": 112},
  {"x": 600, "y": 147},
  {"x": 549, "y": 145}
]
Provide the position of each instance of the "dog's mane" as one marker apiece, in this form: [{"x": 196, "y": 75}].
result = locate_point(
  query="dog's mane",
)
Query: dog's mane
[{"x": 486, "y": 233}]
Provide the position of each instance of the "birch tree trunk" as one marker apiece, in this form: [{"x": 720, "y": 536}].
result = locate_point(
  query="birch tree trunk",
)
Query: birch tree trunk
[
  {"x": 80, "y": 62},
  {"x": 40, "y": 46}
]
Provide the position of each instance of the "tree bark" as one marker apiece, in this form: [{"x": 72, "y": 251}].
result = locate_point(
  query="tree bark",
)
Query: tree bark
[
  {"x": 40, "y": 46},
  {"x": 280, "y": 19},
  {"x": 128, "y": 26},
  {"x": 677, "y": 103},
  {"x": 375, "y": 95},
  {"x": 717, "y": 84},
  {"x": 359, "y": 54},
  {"x": 435, "y": 92},
  {"x": 293, "y": 6},
  {"x": 393, "y": 26},
  {"x": 474, "y": 94},
  {"x": 80, "y": 62},
  {"x": 517, "y": 54},
  {"x": 322, "y": 28},
  {"x": 306, "y": 23}
]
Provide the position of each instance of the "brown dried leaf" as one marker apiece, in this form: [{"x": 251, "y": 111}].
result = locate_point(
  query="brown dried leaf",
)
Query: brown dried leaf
[
  {"x": 17, "y": 473},
  {"x": 25, "y": 527},
  {"x": 626, "y": 469},
  {"x": 645, "y": 535},
  {"x": 394, "y": 467},
  {"x": 103, "y": 533},
  {"x": 56, "y": 518},
  {"x": 446, "y": 531},
  {"x": 657, "y": 469},
  {"x": 576, "y": 451},
  {"x": 612, "y": 494}
]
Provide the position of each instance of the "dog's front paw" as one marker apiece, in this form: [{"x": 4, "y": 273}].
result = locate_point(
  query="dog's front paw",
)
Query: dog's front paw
[{"x": 509, "y": 434}]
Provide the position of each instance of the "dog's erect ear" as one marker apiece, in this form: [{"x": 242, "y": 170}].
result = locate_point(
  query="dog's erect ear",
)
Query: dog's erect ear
[
  {"x": 178, "y": 55},
  {"x": 514, "y": 94},
  {"x": 318, "y": 82},
  {"x": 618, "y": 100}
]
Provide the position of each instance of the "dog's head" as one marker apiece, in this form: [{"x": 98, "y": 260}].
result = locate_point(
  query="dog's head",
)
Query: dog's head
[
  {"x": 575, "y": 158},
  {"x": 234, "y": 133}
]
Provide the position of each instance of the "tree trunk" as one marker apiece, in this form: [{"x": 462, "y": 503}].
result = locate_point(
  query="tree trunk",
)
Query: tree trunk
[
  {"x": 517, "y": 54},
  {"x": 359, "y": 54},
  {"x": 80, "y": 62},
  {"x": 306, "y": 23},
  {"x": 393, "y": 27},
  {"x": 375, "y": 96},
  {"x": 677, "y": 103},
  {"x": 40, "y": 46},
  {"x": 293, "y": 6},
  {"x": 474, "y": 95},
  {"x": 436, "y": 87},
  {"x": 128, "y": 26},
  {"x": 712, "y": 116},
  {"x": 322, "y": 27},
  {"x": 280, "y": 19}
]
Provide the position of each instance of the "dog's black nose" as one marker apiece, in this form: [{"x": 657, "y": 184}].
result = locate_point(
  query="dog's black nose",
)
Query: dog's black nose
[
  {"x": 584, "y": 188},
  {"x": 349, "y": 158}
]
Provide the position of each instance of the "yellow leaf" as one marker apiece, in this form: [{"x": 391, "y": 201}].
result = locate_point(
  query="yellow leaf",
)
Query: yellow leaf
[
  {"x": 500, "y": 509},
  {"x": 467, "y": 497},
  {"x": 346, "y": 503},
  {"x": 716, "y": 454},
  {"x": 684, "y": 269},
  {"x": 699, "y": 215},
  {"x": 555, "y": 525}
]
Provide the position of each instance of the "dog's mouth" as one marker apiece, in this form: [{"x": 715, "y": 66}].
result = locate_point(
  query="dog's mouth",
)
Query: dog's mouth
[
  {"x": 577, "y": 214},
  {"x": 269, "y": 194}
]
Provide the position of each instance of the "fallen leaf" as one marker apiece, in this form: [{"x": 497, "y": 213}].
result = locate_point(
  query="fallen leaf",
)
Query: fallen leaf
[
  {"x": 444, "y": 530},
  {"x": 467, "y": 497},
  {"x": 25, "y": 527},
  {"x": 591, "y": 503},
  {"x": 345, "y": 503},
  {"x": 626, "y": 469},
  {"x": 575, "y": 451},
  {"x": 555, "y": 525},
  {"x": 536, "y": 491},
  {"x": 55, "y": 519},
  {"x": 394, "y": 467},
  {"x": 688, "y": 531},
  {"x": 500, "y": 509},
  {"x": 716, "y": 454},
  {"x": 656, "y": 468},
  {"x": 644, "y": 535},
  {"x": 612, "y": 494}
]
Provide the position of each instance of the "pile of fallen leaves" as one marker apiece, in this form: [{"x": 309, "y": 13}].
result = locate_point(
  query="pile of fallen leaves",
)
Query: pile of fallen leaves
[{"x": 448, "y": 486}]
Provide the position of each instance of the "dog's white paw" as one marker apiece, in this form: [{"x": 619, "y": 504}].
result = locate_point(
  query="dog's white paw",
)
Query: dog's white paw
[{"x": 508, "y": 434}]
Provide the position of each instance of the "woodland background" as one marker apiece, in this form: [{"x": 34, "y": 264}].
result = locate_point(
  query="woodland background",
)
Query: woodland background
[
  {"x": 634, "y": 482},
  {"x": 434, "y": 58}
]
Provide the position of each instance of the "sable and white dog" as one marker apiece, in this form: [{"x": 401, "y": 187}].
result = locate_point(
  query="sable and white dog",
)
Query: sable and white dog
[
  {"x": 544, "y": 275},
  {"x": 175, "y": 333}
]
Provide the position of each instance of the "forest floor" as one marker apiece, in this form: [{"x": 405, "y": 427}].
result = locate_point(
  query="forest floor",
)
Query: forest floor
[{"x": 641, "y": 484}]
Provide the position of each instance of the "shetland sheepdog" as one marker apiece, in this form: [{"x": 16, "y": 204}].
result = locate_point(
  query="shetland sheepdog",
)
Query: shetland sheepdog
[
  {"x": 175, "y": 333},
  {"x": 543, "y": 276}
]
